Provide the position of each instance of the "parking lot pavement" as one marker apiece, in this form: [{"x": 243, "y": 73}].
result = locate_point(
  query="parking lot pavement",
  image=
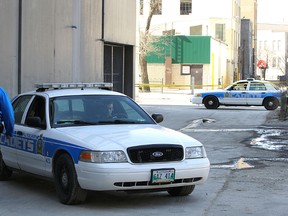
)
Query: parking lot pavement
[{"x": 182, "y": 97}]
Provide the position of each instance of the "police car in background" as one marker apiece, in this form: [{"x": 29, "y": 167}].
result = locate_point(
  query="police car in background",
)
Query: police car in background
[
  {"x": 248, "y": 92},
  {"x": 87, "y": 138}
]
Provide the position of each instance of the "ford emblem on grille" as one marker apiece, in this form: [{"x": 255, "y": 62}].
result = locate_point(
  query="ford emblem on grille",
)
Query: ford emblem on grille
[{"x": 157, "y": 154}]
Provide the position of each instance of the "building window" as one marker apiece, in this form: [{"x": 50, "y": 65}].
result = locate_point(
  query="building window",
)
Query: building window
[
  {"x": 274, "y": 62},
  {"x": 220, "y": 31},
  {"x": 156, "y": 5},
  {"x": 141, "y": 7},
  {"x": 260, "y": 45},
  {"x": 265, "y": 45},
  {"x": 185, "y": 7}
]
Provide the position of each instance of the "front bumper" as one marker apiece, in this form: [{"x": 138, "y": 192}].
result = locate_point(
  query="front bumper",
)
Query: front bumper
[
  {"x": 126, "y": 176},
  {"x": 196, "y": 100}
]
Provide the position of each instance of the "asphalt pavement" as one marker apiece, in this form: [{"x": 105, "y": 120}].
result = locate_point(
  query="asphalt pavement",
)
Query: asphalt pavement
[{"x": 182, "y": 97}]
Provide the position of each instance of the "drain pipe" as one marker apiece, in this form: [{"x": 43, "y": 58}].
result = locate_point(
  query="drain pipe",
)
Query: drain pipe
[
  {"x": 19, "y": 45},
  {"x": 103, "y": 22}
]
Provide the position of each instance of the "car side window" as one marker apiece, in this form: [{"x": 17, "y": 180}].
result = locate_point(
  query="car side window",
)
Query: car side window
[
  {"x": 239, "y": 86},
  {"x": 37, "y": 109},
  {"x": 19, "y": 106},
  {"x": 257, "y": 87}
]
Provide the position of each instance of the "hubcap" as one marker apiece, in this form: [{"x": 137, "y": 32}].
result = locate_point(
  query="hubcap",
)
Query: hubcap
[
  {"x": 64, "y": 179},
  {"x": 210, "y": 102}
]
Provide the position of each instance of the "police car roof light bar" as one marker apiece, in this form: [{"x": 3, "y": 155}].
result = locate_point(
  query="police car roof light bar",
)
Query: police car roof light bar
[
  {"x": 99, "y": 85},
  {"x": 250, "y": 79}
]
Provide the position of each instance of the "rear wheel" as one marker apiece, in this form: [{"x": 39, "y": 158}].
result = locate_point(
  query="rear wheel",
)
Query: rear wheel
[
  {"x": 211, "y": 102},
  {"x": 181, "y": 191},
  {"x": 66, "y": 183},
  {"x": 271, "y": 103},
  {"x": 5, "y": 172}
]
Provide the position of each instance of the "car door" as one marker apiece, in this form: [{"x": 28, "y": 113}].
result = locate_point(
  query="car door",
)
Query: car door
[
  {"x": 30, "y": 147},
  {"x": 236, "y": 94},
  {"x": 256, "y": 93},
  {"x": 9, "y": 147}
]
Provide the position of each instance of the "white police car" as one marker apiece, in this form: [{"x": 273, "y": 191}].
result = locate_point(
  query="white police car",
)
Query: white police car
[
  {"x": 93, "y": 139},
  {"x": 248, "y": 92}
]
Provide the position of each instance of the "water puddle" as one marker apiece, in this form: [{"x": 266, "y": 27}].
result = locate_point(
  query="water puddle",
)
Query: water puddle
[{"x": 273, "y": 139}]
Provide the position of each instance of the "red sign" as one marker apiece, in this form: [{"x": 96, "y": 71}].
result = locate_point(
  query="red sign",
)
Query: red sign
[{"x": 262, "y": 64}]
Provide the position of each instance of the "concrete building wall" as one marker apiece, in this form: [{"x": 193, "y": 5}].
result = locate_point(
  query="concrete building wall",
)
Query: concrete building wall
[
  {"x": 249, "y": 11},
  {"x": 61, "y": 40},
  {"x": 9, "y": 45},
  {"x": 120, "y": 21},
  {"x": 246, "y": 69}
]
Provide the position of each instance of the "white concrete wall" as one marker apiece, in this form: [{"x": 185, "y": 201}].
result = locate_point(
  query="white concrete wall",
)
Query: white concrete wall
[
  {"x": 120, "y": 21},
  {"x": 8, "y": 45},
  {"x": 53, "y": 50}
]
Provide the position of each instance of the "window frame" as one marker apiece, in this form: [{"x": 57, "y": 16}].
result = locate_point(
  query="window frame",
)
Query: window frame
[{"x": 185, "y": 7}]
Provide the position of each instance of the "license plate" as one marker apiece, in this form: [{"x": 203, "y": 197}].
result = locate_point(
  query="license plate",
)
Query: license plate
[{"x": 162, "y": 175}]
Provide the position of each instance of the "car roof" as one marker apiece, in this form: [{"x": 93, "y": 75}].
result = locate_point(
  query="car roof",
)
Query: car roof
[
  {"x": 252, "y": 80},
  {"x": 77, "y": 91}
]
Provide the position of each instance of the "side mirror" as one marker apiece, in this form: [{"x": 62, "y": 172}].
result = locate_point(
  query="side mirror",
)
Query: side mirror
[
  {"x": 34, "y": 122},
  {"x": 158, "y": 117}
]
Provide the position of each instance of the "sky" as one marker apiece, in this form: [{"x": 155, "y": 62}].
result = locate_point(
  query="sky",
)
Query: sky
[{"x": 272, "y": 11}]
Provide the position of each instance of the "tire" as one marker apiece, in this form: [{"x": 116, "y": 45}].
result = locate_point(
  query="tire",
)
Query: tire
[
  {"x": 181, "y": 191},
  {"x": 5, "y": 172},
  {"x": 66, "y": 183},
  {"x": 211, "y": 102},
  {"x": 271, "y": 103}
]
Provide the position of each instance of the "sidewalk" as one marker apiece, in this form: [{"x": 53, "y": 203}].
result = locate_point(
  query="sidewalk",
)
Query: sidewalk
[{"x": 173, "y": 97}]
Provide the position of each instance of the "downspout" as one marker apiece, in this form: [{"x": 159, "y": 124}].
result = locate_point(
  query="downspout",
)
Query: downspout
[
  {"x": 102, "y": 39},
  {"x": 19, "y": 45},
  {"x": 103, "y": 15}
]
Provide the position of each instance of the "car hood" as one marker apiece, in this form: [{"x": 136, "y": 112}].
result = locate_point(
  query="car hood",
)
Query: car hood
[
  {"x": 111, "y": 137},
  {"x": 210, "y": 91}
]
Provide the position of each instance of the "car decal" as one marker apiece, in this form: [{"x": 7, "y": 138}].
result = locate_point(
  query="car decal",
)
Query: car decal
[
  {"x": 41, "y": 145},
  {"x": 240, "y": 94}
]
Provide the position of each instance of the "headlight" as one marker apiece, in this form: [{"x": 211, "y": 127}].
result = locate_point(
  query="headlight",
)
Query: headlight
[
  {"x": 195, "y": 152},
  {"x": 103, "y": 156}
]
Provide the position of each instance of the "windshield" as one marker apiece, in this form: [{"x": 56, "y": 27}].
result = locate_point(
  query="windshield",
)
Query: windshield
[{"x": 96, "y": 110}]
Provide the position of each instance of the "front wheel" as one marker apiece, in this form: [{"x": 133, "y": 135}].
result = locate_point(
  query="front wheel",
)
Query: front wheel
[
  {"x": 271, "y": 103},
  {"x": 66, "y": 183},
  {"x": 211, "y": 102},
  {"x": 181, "y": 191},
  {"x": 5, "y": 172}
]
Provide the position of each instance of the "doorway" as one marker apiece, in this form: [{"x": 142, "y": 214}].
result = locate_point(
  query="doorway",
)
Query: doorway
[{"x": 118, "y": 67}]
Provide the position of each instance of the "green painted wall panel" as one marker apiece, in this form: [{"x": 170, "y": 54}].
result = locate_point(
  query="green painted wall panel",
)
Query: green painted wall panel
[{"x": 183, "y": 49}]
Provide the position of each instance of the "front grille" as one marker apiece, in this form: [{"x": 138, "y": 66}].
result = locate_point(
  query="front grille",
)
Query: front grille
[
  {"x": 155, "y": 153},
  {"x": 148, "y": 183}
]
